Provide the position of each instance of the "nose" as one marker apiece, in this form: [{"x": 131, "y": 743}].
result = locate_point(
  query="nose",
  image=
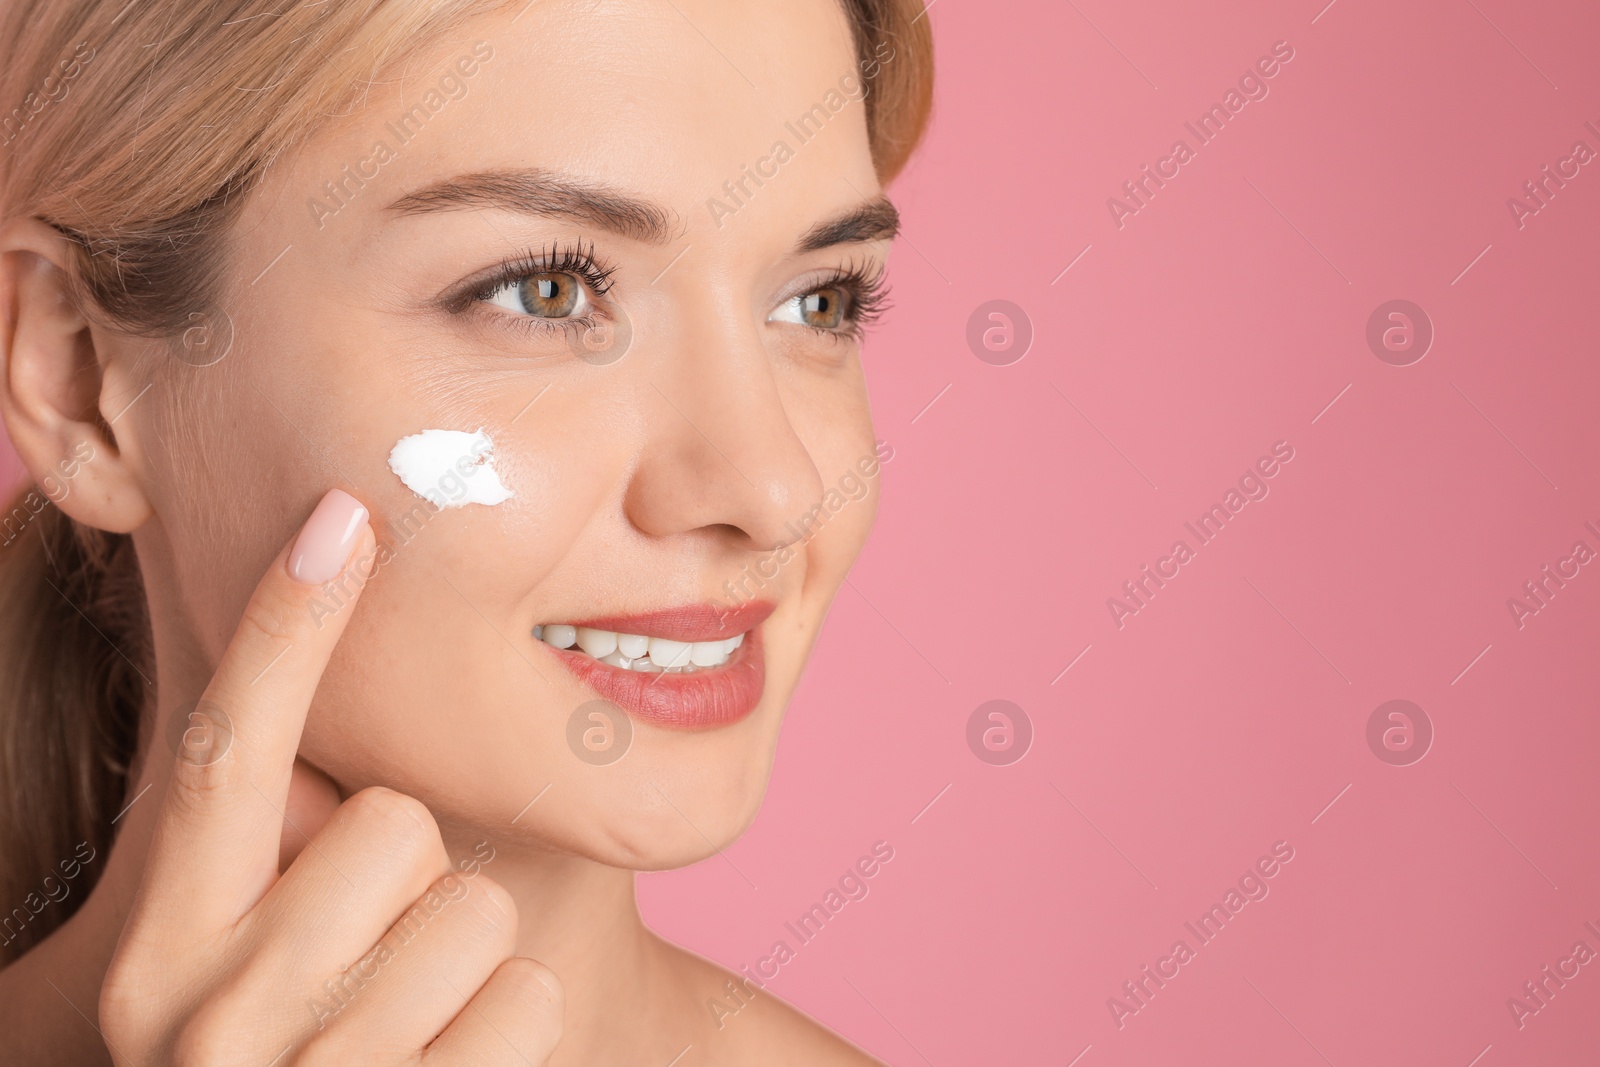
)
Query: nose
[{"x": 722, "y": 449}]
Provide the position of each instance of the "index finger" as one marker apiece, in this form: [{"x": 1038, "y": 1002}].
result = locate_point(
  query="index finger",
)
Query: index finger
[{"x": 215, "y": 848}]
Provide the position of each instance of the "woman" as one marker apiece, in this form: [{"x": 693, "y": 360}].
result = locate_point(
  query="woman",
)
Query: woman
[{"x": 429, "y": 408}]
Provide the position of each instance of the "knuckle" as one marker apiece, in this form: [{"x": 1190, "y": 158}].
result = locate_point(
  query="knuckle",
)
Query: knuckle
[
  {"x": 123, "y": 1008},
  {"x": 403, "y": 822},
  {"x": 212, "y": 1036},
  {"x": 495, "y": 910},
  {"x": 197, "y": 785},
  {"x": 338, "y": 1047},
  {"x": 498, "y": 898},
  {"x": 536, "y": 990},
  {"x": 269, "y": 616},
  {"x": 225, "y": 1027}
]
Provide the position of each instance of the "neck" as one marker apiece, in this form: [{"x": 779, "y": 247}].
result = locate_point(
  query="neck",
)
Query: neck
[{"x": 579, "y": 918}]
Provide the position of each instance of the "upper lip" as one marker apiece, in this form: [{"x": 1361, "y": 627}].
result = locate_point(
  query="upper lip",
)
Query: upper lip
[{"x": 687, "y": 622}]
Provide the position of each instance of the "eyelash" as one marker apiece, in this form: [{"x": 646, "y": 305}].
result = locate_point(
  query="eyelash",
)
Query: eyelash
[
  {"x": 863, "y": 284},
  {"x": 574, "y": 259},
  {"x": 868, "y": 293}
]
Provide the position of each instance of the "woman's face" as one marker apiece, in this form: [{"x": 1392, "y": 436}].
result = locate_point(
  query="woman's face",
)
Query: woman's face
[{"x": 627, "y": 242}]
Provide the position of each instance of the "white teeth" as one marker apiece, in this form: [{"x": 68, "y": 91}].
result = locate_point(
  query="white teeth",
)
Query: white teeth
[
  {"x": 560, "y": 636},
  {"x": 598, "y": 643},
  {"x": 669, "y": 653},
  {"x": 635, "y": 652}
]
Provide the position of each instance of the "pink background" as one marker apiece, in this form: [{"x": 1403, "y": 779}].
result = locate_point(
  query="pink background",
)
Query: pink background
[
  {"x": 1209, "y": 727},
  {"x": 1227, "y": 714}
]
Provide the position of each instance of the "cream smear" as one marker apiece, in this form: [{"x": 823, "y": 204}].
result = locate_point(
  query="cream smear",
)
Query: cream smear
[{"x": 449, "y": 468}]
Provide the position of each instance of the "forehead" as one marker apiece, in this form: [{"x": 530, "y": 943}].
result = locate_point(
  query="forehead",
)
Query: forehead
[{"x": 666, "y": 99}]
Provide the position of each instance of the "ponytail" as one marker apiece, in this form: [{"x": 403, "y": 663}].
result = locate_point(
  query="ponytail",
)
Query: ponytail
[{"x": 75, "y": 657}]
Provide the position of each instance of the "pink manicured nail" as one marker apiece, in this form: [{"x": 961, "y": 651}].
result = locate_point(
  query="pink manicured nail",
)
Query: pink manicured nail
[{"x": 327, "y": 539}]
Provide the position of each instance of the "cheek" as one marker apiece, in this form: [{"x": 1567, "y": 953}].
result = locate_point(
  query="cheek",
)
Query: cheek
[
  {"x": 231, "y": 481},
  {"x": 831, "y": 553},
  {"x": 834, "y": 550},
  {"x": 838, "y": 432},
  {"x": 440, "y": 622}
]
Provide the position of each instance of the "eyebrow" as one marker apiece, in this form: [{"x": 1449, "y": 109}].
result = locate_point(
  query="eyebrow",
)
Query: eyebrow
[
  {"x": 875, "y": 220},
  {"x": 542, "y": 192},
  {"x": 536, "y": 191}
]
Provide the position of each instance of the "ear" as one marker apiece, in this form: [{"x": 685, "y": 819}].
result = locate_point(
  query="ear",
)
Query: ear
[{"x": 62, "y": 400}]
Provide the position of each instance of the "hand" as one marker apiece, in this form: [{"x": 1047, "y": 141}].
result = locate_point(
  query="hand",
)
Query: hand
[{"x": 370, "y": 947}]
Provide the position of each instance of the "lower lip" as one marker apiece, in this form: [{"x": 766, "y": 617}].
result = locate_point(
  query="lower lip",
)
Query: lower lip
[{"x": 691, "y": 700}]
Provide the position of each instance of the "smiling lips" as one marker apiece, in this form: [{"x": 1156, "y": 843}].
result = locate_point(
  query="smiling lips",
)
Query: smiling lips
[{"x": 690, "y": 667}]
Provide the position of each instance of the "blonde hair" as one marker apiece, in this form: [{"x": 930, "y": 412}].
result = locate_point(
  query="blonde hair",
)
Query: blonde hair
[{"x": 177, "y": 110}]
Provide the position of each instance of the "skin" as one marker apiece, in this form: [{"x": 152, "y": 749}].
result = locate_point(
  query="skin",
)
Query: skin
[{"x": 640, "y": 484}]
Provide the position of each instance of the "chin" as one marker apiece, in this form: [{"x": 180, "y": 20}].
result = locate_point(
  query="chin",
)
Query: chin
[{"x": 670, "y": 809}]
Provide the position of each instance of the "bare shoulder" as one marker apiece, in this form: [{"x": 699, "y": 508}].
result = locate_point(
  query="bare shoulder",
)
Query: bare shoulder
[
  {"x": 739, "y": 1022},
  {"x": 782, "y": 1035}
]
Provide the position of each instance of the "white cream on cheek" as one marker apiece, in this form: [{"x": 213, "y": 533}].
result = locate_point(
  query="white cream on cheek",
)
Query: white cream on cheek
[{"x": 450, "y": 468}]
